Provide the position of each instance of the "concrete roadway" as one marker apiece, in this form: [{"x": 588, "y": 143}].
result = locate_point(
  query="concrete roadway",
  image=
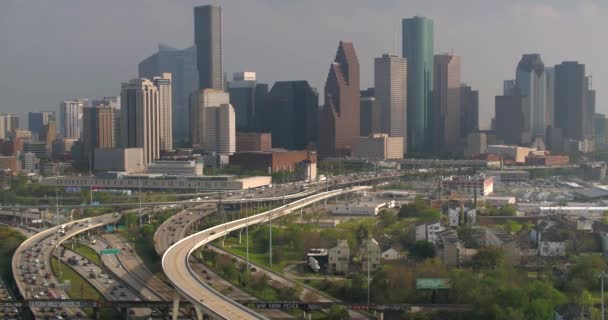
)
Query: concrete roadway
[
  {"x": 41, "y": 246},
  {"x": 206, "y": 299},
  {"x": 106, "y": 284}
]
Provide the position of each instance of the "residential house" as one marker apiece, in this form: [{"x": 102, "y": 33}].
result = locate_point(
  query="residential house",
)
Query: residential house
[
  {"x": 391, "y": 255},
  {"x": 370, "y": 255},
  {"x": 339, "y": 258},
  {"x": 428, "y": 231}
]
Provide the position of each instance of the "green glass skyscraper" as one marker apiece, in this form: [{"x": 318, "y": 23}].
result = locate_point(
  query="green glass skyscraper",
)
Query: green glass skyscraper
[{"x": 418, "y": 50}]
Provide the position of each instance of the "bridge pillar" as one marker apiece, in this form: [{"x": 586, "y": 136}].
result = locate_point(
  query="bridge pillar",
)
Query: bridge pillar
[
  {"x": 175, "y": 313},
  {"x": 379, "y": 315},
  {"x": 306, "y": 315},
  {"x": 199, "y": 313}
]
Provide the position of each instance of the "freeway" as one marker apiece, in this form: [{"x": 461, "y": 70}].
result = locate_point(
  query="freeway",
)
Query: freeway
[
  {"x": 175, "y": 228},
  {"x": 201, "y": 295},
  {"x": 32, "y": 259}
]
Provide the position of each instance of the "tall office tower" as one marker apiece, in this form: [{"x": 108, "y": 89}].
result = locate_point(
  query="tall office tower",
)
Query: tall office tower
[
  {"x": 390, "y": 89},
  {"x": 550, "y": 92},
  {"x": 589, "y": 123},
  {"x": 99, "y": 130},
  {"x": 339, "y": 119},
  {"x": 49, "y": 135},
  {"x": 208, "y": 42},
  {"x": 371, "y": 114},
  {"x": 165, "y": 105},
  {"x": 446, "y": 104},
  {"x": 469, "y": 111},
  {"x": 291, "y": 115},
  {"x": 70, "y": 116},
  {"x": 198, "y": 102},
  {"x": 9, "y": 122},
  {"x": 509, "y": 118},
  {"x": 184, "y": 80},
  {"x": 247, "y": 97},
  {"x": 37, "y": 120},
  {"x": 220, "y": 129},
  {"x": 140, "y": 118},
  {"x": 570, "y": 106},
  {"x": 418, "y": 49},
  {"x": 509, "y": 88},
  {"x": 531, "y": 82}
]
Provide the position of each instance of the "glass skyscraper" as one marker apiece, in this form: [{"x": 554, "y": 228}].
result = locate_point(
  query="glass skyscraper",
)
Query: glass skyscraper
[{"x": 418, "y": 50}]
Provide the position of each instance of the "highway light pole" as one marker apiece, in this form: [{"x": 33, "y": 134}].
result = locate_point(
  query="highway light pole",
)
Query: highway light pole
[
  {"x": 247, "y": 233},
  {"x": 139, "y": 185},
  {"x": 602, "y": 275},
  {"x": 270, "y": 239}
]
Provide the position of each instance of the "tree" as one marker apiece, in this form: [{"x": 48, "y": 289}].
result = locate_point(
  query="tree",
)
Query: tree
[
  {"x": 422, "y": 250},
  {"x": 507, "y": 211},
  {"x": 337, "y": 313},
  {"x": 488, "y": 258},
  {"x": 387, "y": 217}
]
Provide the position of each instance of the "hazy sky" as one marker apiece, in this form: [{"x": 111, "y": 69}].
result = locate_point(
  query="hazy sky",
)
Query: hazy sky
[{"x": 56, "y": 50}]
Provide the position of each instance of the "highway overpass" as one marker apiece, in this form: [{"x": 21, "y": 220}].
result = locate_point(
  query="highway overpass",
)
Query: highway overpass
[{"x": 206, "y": 299}]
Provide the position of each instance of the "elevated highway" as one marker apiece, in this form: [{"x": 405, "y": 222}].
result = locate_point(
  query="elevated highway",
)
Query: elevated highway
[{"x": 205, "y": 299}]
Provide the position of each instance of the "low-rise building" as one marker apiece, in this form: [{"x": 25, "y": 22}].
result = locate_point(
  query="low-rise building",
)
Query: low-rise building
[
  {"x": 510, "y": 152},
  {"x": 253, "y": 141},
  {"x": 177, "y": 167},
  {"x": 276, "y": 160},
  {"x": 552, "y": 248},
  {"x": 357, "y": 208},
  {"x": 9, "y": 163},
  {"x": 129, "y": 160},
  {"x": 370, "y": 255},
  {"x": 497, "y": 201},
  {"x": 391, "y": 255},
  {"x": 477, "y": 185},
  {"x": 428, "y": 231},
  {"x": 548, "y": 160},
  {"x": 508, "y": 176},
  {"x": 594, "y": 171},
  {"x": 339, "y": 258},
  {"x": 378, "y": 147}
]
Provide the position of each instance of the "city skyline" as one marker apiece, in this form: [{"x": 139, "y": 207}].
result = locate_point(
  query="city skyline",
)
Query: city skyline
[{"x": 536, "y": 17}]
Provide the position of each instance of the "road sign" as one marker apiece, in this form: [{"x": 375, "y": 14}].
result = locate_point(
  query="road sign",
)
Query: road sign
[
  {"x": 433, "y": 283},
  {"x": 109, "y": 251}
]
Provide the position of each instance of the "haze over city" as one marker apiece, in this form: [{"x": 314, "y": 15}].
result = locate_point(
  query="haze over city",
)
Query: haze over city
[{"x": 68, "y": 49}]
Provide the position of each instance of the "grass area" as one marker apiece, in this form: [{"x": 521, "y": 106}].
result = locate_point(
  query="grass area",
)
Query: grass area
[
  {"x": 260, "y": 258},
  {"x": 85, "y": 251},
  {"x": 10, "y": 239},
  {"x": 81, "y": 289}
]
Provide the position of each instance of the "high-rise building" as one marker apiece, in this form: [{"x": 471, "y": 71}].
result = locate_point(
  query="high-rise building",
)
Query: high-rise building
[
  {"x": 165, "y": 106},
  {"x": 446, "y": 100},
  {"x": 208, "y": 42},
  {"x": 531, "y": 82},
  {"x": 509, "y": 119},
  {"x": 70, "y": 117},
  {"x": 9, "y": 122},
  {"x": 291, "y": 115},
  {"x": 469, "y": 113},
  {"x": 37, "y": 120},
  {"x": 550, "y": 100},
  {"x": 140, "y": 118},
  {"x": 99, "y": 130},
  {"x": 418, "y": 49},
  {"x": 339, "y": 119},
  {"x": 371, "y": 114},
  {"x": 220, "y": 129},
  {"x": 588, "y": 121},
  {"x": 184, "y": 80},
  {"x": 247, "y": 97},
  {"x": 198, "y": 102},
  {"x": 570, "y": 106},
  {"x": 390, "y": 87},
  {"x": 49, "y": 135}
]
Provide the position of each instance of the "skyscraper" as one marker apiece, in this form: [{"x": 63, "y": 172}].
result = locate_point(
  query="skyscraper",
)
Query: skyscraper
[
  {"x": 390, "y": 86},
  {"x": 550, "y": 110},
  {"x": 48, "y": 135},
  {"x": 140, "y": 118},
  {"x": 184, "y": 80},
  {"x": 469, "y": 112},
  {"x": 37, "y": 120},
  {"x": 588, "y": 121},
  {"x": 165, "y": 106},
  {"x": 418, "y": 49},
  {"x": 247, "y": 97},
  {"x": 198, "y": 102},
  {"x": 570, "y": 92},
  {"x": 371, "y": 115},
  {"x": 70, "y": 116},
  {"x": 208, "y": 42},
  {"x": 446, "y": 104},
  {"x": 220, "y": 130},
  {"x": 510, "y": 119},
  {"x": 292, "y": 115},
  {"x": 339, "y": 118},
  {"x": 531, "y": 82},
  {"x": 9, "y": 122},
  {"x": 99, "y": 129}
]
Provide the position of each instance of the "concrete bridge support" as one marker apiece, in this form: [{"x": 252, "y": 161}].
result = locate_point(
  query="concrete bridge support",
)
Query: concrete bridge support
[{"x": 175, "y": 313}]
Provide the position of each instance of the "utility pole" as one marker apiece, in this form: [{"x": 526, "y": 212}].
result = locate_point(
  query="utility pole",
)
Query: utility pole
[
  {"x": 369, "y": 281},
  {"x": 602, "y": 275},
  {"x": 139, "y": 186},
  {"x": 91, "y": 176},
  {"x": 270, "y": 239},
  {"x": 247, "y": 234}
]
